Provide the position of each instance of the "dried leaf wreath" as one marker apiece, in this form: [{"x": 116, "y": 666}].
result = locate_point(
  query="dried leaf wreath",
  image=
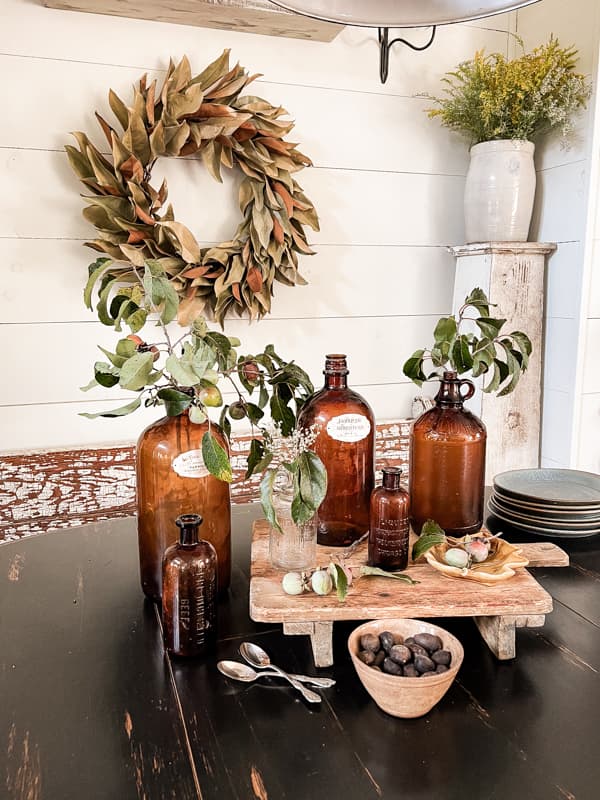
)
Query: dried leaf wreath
[{"x": 189, "y": 115}]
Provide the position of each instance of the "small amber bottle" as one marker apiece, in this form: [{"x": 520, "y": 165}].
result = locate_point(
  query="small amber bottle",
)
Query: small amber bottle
[
  {"x": 189, "y": 591},
  {"x": 389, "y": 531}
]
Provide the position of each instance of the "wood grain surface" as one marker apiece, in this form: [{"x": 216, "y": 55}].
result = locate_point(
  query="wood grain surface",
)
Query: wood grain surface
[
  {"x": 246, "y": 16},
  {"x": 91, "y": 709},
  {"x": 435, "y": 595}
]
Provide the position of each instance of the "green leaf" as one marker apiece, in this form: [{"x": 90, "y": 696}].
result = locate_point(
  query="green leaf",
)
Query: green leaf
[
  {"x": 461, "y": 355},
  {"x": 170, "y": 301},
  {"x": 136, "y": 371},
  {"x": 489, "y": 327},
  {"x": 266, "y": 498},
  {"x": 478, "y": 299},
  {"x": 105, "y": 374},
  {"x": 413, "y": 367},
  {"x": 312, "y": 485},
  {"x": 282, "y": 414},
  {"x": 340, "y": 580},
  {"x": 257, "y": 451},
  {"x": 255, "y": 414},
  {"x": 95, "y": 270},
  {"x": 197, "y": 415},
  {"x": 181, "y": 371},
  {"x": 137, "y": 320},
  {"x": 91, "y": 385},
  {"x": 175, "y": 402},
  {"x": 431, "y": 535},
  {"x": 117, "y": 412},
  {"x": 216, "y": 458},
  {"x": 203, "y": 358},
  {"x": 125, "y": 348},
  {"x": 381, "y": 573},
  {"x": 445, "y": 330},
  {"x": 494, "y": 382}
]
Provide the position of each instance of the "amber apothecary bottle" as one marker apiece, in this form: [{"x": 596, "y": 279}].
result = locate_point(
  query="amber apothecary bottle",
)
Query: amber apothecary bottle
[
  {"x": 189, "y": 611},
  {"x": 172, "y": 480},
  {"x": 447, "y": 462},
  {"x": 390, "y": 524},
  {"x": 346, "y": 445}
]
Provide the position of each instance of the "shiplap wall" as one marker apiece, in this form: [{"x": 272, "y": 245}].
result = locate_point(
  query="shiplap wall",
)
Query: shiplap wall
[
  {"x": 387, "y": 184},
  {"x": 561, "y": 215}
]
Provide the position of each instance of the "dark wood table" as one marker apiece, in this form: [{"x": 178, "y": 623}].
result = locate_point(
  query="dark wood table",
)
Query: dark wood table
[{"x": 90, "y": 708}]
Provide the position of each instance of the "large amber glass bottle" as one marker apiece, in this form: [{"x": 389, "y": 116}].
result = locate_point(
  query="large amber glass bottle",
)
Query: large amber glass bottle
[
  {"x": 346, "y": 445},
  {"x": 173, "y": 480},
  {"x": 447, "y": 462}
]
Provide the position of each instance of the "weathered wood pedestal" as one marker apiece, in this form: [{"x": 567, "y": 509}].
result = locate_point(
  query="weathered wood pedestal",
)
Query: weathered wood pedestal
[
  {"x": 512, "y": 276},
  {"x": 497, "y": 610}
]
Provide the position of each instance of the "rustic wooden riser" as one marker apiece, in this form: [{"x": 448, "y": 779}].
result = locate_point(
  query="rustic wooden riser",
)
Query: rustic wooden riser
[{"x": 497, "y": 610}]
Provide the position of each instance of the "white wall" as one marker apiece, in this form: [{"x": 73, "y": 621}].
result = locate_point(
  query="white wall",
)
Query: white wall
[
  {"x": 387, "y": 184},
  {"x": 561, "y": 215}
]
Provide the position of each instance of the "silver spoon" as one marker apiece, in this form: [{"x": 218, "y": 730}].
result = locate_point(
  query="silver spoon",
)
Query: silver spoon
[
  {"x": 242, "y": 672},
  {"x": 259, "y": 658}
]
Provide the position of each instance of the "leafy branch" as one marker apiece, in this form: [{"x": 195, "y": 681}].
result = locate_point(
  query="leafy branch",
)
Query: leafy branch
[
  {"x": 184, "y": 377},
  {"x": 503, "y": 357}
]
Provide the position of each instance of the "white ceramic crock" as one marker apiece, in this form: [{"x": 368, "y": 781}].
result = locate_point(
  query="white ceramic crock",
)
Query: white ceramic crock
[{"x": 499, "y": 191}]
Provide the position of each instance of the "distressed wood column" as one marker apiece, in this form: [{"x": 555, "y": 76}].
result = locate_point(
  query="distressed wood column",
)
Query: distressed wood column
[{"x": 512, "y": 276}]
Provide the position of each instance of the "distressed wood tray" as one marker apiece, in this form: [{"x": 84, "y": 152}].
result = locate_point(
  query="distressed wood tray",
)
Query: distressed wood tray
[{"x": 497, "y": 610}]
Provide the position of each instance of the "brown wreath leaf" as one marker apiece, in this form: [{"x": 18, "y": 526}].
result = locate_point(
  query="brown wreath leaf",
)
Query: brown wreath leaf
[
  {"x": 186, "y": 242},
  {"x": 119, "y": 109}
]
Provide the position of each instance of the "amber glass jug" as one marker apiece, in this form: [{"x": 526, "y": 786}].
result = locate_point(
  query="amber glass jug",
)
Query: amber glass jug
[
  {"x": 447, "y": 462},
  {"x": 346, "y": 446},
  {"x": 172, "y": 480}
]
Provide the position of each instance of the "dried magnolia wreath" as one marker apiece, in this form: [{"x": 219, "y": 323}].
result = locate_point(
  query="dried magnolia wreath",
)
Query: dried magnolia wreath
[{"x": 189, "y": 115}]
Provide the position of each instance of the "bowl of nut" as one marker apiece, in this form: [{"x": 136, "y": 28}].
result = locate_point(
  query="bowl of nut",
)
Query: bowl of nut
[{"x": 406, "y": 665}]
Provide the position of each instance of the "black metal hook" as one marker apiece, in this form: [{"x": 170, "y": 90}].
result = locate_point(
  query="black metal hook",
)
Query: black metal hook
[{"x": 385, "y": 45}]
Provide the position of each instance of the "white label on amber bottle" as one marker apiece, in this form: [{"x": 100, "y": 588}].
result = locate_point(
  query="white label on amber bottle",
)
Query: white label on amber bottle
[
  {"x": 190, "y": 465},
  {"x": 349, "y": 427}
]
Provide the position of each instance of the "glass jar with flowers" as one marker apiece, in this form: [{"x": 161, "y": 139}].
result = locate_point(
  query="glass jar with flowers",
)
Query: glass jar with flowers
[{"x": 182, "y": 462}]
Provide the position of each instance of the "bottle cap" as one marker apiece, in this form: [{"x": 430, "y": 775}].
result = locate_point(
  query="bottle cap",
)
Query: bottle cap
[
  {"x": 391, "y": 477},
  {"x": 335, "y": 364}
]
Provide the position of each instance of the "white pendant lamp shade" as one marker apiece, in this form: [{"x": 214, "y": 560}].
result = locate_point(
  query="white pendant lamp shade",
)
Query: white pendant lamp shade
[{"x": 401, "y": 13}]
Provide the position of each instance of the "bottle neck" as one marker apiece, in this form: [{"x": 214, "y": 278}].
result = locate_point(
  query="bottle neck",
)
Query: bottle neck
[
  {"x": 449, "y": 394},
  {"x": 188, "y": 525},
  {"x": 391, "y": 478},
  {"x": 336, "y": 371},
  {"x": 333, "y": 381}
]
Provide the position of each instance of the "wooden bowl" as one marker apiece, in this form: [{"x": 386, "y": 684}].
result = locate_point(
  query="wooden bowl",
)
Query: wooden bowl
[{"x": 398, "y": 696}]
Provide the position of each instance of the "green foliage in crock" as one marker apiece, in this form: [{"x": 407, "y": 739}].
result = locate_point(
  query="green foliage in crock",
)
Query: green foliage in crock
[
  {"x": 185, "y": 375},
  {"x": 504, "y": 357},
  {"x": 492, "y": 97}
]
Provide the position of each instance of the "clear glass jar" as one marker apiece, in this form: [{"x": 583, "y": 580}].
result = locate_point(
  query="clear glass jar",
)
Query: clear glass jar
[{"x": 296, "y": 548}]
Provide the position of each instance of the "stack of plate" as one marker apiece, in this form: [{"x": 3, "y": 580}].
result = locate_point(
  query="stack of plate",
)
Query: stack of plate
[{"x": 548, "y": 502}]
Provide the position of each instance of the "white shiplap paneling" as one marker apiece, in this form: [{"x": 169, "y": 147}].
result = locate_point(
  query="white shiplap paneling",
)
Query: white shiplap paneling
[{"x": 387, "y": 184}]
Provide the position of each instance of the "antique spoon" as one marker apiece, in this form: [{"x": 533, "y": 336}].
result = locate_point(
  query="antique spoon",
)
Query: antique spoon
[
  {"x": 242, "y": 672},
  {"x": 259, "y": 658}
]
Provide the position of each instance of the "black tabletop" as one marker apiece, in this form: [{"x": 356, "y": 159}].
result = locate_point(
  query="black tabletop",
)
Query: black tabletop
[{"x": 90, "y": 707}]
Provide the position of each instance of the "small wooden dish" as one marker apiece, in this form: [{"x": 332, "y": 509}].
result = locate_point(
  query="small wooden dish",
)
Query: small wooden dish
[
  {"x": 399, "y": 696},
  {"x": 500, "y": 565}
]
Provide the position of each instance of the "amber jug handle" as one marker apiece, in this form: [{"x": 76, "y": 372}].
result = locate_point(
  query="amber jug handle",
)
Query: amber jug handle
[{"x": 470, "y": 389}]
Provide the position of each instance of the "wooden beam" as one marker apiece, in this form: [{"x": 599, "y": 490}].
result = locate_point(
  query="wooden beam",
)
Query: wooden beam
[
  {"x": 242, "y": 16},
  {"x": 40, "y": 491}
]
